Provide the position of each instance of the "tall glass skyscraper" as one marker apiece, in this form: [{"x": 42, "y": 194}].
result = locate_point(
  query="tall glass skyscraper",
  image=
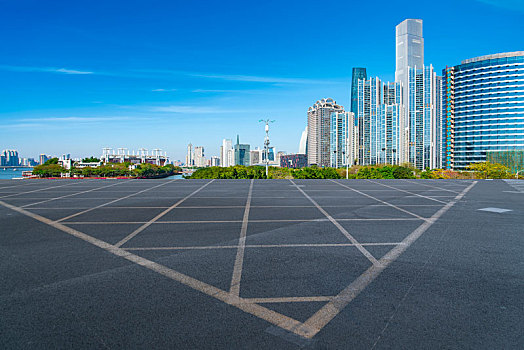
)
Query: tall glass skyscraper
[
  {"x": 341, "y": 138},
  {"x": 357, "y": 74},
  {"x": 379, "y": 106},
  {"x": 418, "y": 117},
  {"x": 483, "y": 107}
]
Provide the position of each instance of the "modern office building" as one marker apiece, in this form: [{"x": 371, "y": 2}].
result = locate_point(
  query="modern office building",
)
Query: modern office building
[
  {"x": 379, "y": 108},
  {"x": 242, "y": 155},
  {"x": 214, "y": 161},
  {"x": 342, "y": 139},
  {"x": 418, "y": 122},
  {"x": 43, "y": 158},
  {"x": 10, "y": 158},
  {"x": 189, "y": 155},
  {"x": 302, "y": 147},
  {"x": 484, "y": 108},
  {"x": 319, "y": 121},
  {"x": 294, "y": 161},
  {"x": 199, "y": 159},
  {"x": 357, "y": 74},
  {"x": 255, "y": 156},
  {"x": 227, "y": 153}
]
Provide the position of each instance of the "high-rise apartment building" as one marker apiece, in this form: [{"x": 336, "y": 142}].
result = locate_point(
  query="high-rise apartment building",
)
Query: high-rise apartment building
[
  {"x": 357, "y": 74},
  {"x": 227, "y": 157},
  {"x": 214, "y": 161},
  {"x": 10, "y": 158},
  {"x": 319, "y": 121},
  {"x": 199, "y": 159},
  {"x": 189, "y": 155},
  {"x": 483, "y": 108},
  {"x": 378, "y": 112},
  {"x": 242, "y": 155},
  {"x": 342, "y": 139}
]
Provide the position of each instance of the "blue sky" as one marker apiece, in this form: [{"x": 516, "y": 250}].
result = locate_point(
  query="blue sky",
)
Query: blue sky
[{"x": 77, "y": 76}]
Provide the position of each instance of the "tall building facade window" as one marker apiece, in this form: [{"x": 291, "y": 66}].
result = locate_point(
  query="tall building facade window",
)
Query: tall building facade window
[
  {"x": 357, "y": 74},
  {"x": 484, "y": 108},
  {"x": 379, "y": 108},
  {"x": 319, "y": 128},
  {"x": 341, "y": 138}
]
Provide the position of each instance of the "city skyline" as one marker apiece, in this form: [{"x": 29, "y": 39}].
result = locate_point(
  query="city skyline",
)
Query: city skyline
[{"x": 70, "y": 79}]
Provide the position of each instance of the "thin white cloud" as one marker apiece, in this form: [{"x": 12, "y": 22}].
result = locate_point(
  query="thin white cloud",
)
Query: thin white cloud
[
  {"x": 82, "y": 119},
  {"x": 164, "y": 90},
  {"x": 215, "y": 90},
  {"x": 43, "y": 70},
  {"x": 194, "y": 109},
  {"x": 70, "y": 71},
  {"x": 261, "y": 79}
]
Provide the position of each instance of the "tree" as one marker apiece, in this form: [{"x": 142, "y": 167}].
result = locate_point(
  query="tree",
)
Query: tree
[
  {"x": 91, "y": 159},
  {"x": 487, "y": 170},
  {"x": 51, "y": 161}
]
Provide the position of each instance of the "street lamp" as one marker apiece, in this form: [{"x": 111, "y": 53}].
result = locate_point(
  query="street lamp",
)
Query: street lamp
[{"x": 266, "y": 143}]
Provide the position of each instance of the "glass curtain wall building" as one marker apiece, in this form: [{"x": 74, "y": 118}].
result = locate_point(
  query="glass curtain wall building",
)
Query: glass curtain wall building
[
  {"x": 341, "y": 138},
  {"x": 379, "y": 112},
  {"x": 422, "y": 117},
  {"x": 484, "y": 108},
  {"x": 357, "y": 74}
]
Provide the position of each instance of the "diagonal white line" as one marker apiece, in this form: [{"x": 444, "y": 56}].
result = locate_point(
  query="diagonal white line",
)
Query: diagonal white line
[
  {"x": 147, "y": 224},
  {"x": 413, "y": 193},
  {"x": 431, "y": 186},
  {"x": 259, "y": 311},
  {"x": 114, "y": 201},
  {"x": 322, "y": 317},
  {"x": 359, "y": 246},
  {"x": 380, "y": 200},
  {"x": 38, "y": 190},
  {"x": 234, "y": 289},
  {"x": 75, "y": 194}
]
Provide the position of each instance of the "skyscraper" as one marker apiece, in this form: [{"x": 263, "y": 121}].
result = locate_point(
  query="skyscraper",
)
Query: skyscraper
[
  {"x": 418, "y": 122},
  {"x": 379, "y": 106},
  {"x": 302, "y": 148},
  {"x": 483, "y": 108},
  {"x": 189, "y": 155},
  {"x": 242, "y": 154},
  {"x": 319, "y": 121},
  {"x": 199, "y": 158},
  {"x": 356, "y": 75},
  {"x": 341, "y": 138},
  {"x": 226, "y": 154}
]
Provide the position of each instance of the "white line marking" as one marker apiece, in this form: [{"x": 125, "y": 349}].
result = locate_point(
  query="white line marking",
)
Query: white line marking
[
  {"x": 147, "y": 224},
  {"x": 305, "y": 245},
  {"x": 231, "y": 221},
  {"x": 412, "y": 193},
  {"x": 323, "y": 316},
  {"x": 75, "y": 194},
  {"x": 266, "y": 314},
  {"x": 113, "y": 201},
  {"x": 495, "y": 210},
  {"x": 363, "y": 250},
  {"x": 287, "y": 299},
  {"x": 380, "y": 200},
  {"x": 234, "y": 289},
  {"x": 38, "y": 190},
  {"x": 431, "y": 186}
]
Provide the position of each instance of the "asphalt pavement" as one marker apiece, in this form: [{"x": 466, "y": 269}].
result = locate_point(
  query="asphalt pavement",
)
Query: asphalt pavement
[{"x": 265, "y": 264}]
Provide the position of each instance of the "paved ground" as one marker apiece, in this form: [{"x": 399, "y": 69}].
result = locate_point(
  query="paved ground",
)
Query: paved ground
[{"x": 273, "y": 264}]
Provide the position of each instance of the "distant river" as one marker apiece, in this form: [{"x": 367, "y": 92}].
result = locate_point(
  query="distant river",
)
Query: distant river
[{"x": 9, "y": 173}]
